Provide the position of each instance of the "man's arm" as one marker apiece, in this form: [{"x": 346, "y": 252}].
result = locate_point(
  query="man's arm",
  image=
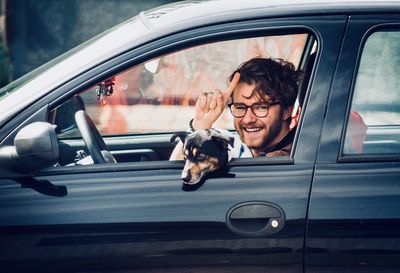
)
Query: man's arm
[{"x": 209, "y": 106}]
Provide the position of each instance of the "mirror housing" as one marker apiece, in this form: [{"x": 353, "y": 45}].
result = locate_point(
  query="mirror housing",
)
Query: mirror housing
[{"x": 35, "y": 147}]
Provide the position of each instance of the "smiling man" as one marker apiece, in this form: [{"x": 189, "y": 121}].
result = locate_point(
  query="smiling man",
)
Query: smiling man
[
  {"x": 262, "y": 93},
  {"x": 262, "y": 104}
]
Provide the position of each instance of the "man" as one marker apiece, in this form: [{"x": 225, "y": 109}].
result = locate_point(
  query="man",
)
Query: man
[{"x": 262, "y": 92}]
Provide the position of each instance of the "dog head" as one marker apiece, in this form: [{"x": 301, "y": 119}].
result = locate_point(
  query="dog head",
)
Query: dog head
[{"x": 204, "y": 151}]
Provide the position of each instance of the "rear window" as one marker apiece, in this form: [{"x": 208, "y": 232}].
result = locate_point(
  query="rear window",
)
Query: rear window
[{"x": 374, "y": 123}]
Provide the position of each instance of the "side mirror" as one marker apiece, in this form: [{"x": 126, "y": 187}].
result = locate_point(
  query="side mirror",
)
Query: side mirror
[{"x": 35, "y": 147}]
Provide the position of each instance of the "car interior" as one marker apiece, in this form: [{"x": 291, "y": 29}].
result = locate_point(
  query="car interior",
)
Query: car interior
[
  {"x": 136, "y": 117},
  {"x": 130, "y": 116}
]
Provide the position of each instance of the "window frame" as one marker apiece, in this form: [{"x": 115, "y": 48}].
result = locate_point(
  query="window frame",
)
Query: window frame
[
  {"x": 178, "y": 41},
  {"x": 353, "y": 158},
  {"x": 65, "y": 134}
]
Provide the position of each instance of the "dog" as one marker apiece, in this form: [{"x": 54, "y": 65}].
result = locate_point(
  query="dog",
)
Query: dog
[{"x": 208, "y": 150}]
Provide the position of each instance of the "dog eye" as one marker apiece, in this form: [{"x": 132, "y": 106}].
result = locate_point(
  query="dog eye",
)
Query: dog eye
[{"x": 201, "y": 157}]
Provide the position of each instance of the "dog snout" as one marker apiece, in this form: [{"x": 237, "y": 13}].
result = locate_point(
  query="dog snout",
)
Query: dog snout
[
  {"x": 186, "y": 173},
  {"x": 186, "y": 176}
]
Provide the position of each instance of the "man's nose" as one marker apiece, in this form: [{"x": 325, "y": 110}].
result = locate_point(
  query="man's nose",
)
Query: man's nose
[{"x": 249, "y": 116}]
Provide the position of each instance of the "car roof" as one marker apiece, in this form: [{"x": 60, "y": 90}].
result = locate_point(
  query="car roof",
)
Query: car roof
[
  {"x": 225, "y": 9},
  {"x": 164, "y": 20}
]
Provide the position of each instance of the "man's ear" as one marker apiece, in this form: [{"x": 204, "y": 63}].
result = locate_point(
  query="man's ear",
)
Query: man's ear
[
  {"x": 287, "y": 112},
  {"x": 181, "y": 134}
]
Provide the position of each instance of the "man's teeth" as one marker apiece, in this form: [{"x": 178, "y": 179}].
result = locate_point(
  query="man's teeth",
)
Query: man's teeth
[{"x": 251, "y": 130}]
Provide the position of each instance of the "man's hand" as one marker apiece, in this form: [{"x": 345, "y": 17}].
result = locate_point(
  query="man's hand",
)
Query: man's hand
[{"x": 210, "y": 105}]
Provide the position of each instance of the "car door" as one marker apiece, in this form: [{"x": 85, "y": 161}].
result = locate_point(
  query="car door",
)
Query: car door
[
  {"x": 137, "y": 215},
  {"x": 354, "y": 207}
]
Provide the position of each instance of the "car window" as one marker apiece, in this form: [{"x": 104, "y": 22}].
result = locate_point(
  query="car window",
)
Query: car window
[
  {"x": 158, "y": 96},
  {"x": 138, "y": 109},
  {"x": 374, "y": 120}
]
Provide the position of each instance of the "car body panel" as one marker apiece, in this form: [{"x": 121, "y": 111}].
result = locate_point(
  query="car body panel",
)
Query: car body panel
[
  {"x": 354, "y": 206},
  {"x": 150, "y": 220}
]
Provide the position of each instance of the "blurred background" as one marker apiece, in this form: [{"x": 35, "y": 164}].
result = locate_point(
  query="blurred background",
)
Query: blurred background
[{"x": 33, "y": 32}]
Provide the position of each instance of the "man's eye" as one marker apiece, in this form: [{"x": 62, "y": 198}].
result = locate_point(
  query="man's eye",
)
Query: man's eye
[
  {"x": 261, "y": 107},
  {"x": 240, "y": 107}
]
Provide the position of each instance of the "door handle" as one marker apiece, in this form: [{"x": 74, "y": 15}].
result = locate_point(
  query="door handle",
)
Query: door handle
[{"x": 255, "y": 219}]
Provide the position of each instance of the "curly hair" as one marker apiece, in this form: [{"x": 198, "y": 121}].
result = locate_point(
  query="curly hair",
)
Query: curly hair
[{"x": 275, "y": 78}]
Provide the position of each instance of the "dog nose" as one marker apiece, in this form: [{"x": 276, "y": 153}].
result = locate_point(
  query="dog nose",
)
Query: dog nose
[{"x": 186, "y": 176}]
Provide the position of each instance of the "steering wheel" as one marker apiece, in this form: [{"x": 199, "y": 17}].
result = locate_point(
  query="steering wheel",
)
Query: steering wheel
[{"x": 92, "y": 138}]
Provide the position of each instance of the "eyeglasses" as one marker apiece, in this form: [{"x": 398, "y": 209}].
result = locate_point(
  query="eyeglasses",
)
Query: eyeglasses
[{"x": 260, "y": 110}]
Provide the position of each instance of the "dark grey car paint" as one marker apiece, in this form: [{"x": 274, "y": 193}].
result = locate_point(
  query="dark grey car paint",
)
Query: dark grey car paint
[
  {"x": 354, "y": 208},
  {"x": 143, "y": 218},
  {"x": 136, "y": 216}
]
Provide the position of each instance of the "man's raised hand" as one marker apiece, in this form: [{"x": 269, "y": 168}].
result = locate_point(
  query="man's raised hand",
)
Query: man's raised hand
[{"x": 210, "y": 105}]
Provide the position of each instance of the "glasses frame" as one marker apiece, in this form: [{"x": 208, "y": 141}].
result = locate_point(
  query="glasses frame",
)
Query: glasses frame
[{"x": 269, "y": 104}]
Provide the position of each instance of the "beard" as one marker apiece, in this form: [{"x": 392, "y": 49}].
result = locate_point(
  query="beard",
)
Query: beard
[{"x": 259, "y": 136}]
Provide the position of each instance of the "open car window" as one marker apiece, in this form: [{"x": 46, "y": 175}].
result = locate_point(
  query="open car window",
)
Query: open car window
[{"x": 158, "y": 97}]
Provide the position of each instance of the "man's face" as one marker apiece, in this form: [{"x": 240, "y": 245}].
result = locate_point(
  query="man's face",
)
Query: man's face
[{"x": 259, "y": 133}]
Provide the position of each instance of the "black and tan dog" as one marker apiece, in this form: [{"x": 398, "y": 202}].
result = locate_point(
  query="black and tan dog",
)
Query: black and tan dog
[{"x": 206, "y": 151}]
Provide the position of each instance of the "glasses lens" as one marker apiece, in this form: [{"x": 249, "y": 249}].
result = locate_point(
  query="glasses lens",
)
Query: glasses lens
[
  {"x": 260, "y": 109},
  {"x": 238, "y": 110}
]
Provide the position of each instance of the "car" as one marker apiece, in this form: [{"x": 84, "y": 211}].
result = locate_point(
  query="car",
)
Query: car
[{"x": 86, "y": 183}]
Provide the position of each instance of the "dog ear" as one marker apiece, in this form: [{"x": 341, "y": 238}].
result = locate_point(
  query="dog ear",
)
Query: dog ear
[
  {"x": 181, "y": 134},
  {"x": 223, "y": 141}
]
